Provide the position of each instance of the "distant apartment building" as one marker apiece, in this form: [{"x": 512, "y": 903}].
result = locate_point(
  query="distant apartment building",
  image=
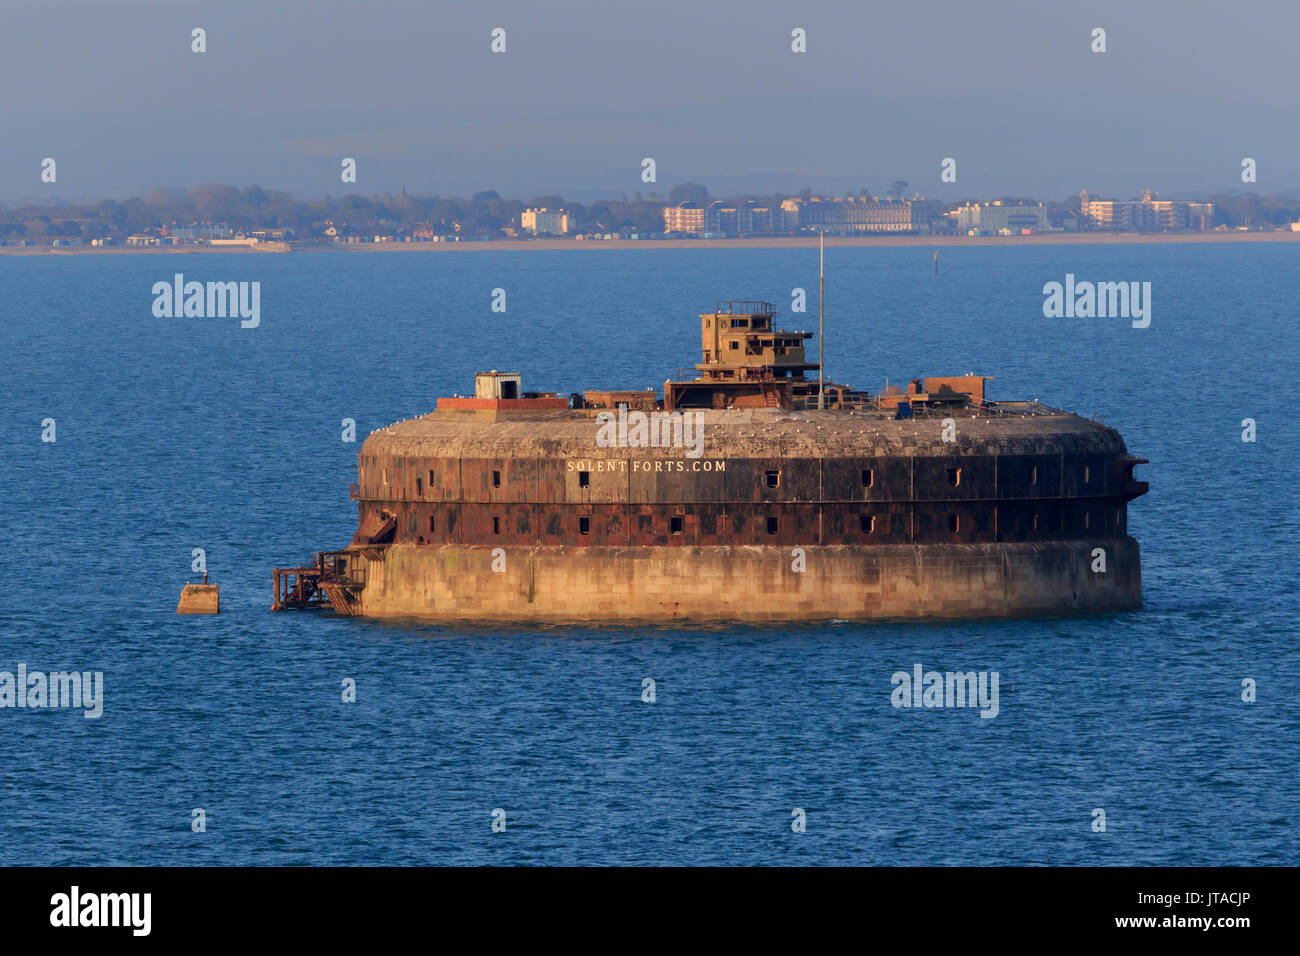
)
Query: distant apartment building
[
  {"x": 743, "y": 219},
  {"x": 545, "y": 222},
  {"x": 856, "y": 215},
  {"x": 721, "y": 218},
  {"x": 1200, "y": 216},
  {"x": 851, "y": 215},
  {"x": 997, "y": 217},
  {"x": 1147, "y": 213},
  {"x": 686, "y": 217},
  {"x": 200, "y": 230}
]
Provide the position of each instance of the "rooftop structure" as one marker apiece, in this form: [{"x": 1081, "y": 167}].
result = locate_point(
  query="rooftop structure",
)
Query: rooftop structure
[{"x": 745, "y": 361}]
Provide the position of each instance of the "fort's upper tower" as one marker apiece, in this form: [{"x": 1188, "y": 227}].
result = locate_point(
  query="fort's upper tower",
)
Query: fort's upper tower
[{"x": 739, "y": 344}]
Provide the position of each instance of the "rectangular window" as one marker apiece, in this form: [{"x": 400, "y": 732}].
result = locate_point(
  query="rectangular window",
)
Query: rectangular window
[
  {"x": 868, "y": 477},
  {"x": 733, "y": 345},
  {"x": 496, "y": 525},
  {"x": 496, "y": 479},
  {"x": 773, "y": 479},
  {"x": 1034, "y": 521},
  {"x": 419, "y": 487},
  {"x": 676, "y": 523},
  {"x": 1087, "y": 473},
  {"x": 1033, "y": 475},
  {"x": 584, "y": 479},
  {"x": 644, "y": 524},
  {"x": 433, "y": 524},
  {"x": 868, "y": 523},
  {"x": 772, "y": 525},
  {"x": 431, "y": 481},
  {"x": 584, "y": 525},
  {"x": 954, "y": 476},
  {"x": 954, "y": 523}
]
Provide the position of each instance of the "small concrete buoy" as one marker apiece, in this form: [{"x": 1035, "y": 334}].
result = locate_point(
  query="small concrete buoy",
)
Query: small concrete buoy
[{"x": 202, "y": 598}]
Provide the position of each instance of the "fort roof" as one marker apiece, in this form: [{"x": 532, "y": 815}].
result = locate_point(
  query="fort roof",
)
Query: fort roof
[{"x": 1007, "y": 428}]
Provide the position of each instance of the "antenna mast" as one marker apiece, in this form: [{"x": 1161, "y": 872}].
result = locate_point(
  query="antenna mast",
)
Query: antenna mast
[{"x": 821, "y": 332}]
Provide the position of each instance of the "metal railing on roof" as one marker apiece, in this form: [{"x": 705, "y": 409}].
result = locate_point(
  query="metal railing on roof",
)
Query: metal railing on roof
[{"x": 745, "y": 307}]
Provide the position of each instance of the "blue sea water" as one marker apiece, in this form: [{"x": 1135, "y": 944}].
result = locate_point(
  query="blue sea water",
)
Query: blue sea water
[{"x": 174, "y": 434}]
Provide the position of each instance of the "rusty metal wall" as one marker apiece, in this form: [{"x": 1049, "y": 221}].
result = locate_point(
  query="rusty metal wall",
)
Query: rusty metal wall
[{"x": 631, "y": 502}]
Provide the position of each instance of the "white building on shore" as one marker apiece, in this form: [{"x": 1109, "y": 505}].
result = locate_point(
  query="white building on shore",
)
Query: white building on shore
[
  {"x": 545, "y": 222},
  {"x": 996, "y": 217}
]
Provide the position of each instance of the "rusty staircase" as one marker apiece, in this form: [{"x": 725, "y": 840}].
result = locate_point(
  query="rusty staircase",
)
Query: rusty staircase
[{"x": 334, "y": 579}]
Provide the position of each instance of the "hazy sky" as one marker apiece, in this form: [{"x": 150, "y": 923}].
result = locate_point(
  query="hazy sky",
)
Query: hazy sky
[{"x": 709, "y": 88}]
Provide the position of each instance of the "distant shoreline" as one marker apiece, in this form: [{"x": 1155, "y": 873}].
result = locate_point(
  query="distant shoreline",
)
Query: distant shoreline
[{"x": 774, "y": 242}]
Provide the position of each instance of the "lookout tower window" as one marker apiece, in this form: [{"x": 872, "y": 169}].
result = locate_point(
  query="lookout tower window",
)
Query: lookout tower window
[
  {"x": 773, "y": 479},
  {"x": 772, "y": 525},
  {"x": 584, "y": 479},
  {"x": 496, "y": 479},
  {"x": 675, "y": 524},
  {"x": 496, "y": 525},
  {"x": 1087, "y": 473},
  {"x": 584, "y": 525},
  {"x": 868, "y": 523},
  {"x": 419, "y": 487},
  {"x": 868, "y": 478},
  {"x": 1087, "y": 520},
  {"x": 954, "y": 523},
  {"x": 1033, "y": 521},
  {"x": 954, "y": 476},
  {"x": 1033, "y": 475},
  {"x": 433, "y": 524}
]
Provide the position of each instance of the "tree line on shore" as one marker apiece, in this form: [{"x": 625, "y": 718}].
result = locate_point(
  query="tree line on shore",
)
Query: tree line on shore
[{"x": 485, "y": 213}]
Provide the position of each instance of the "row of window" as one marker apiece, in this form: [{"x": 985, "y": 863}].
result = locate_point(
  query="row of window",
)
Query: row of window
[
  {"x": 773, "y": 478},
  {"x": 496, "y": 481},
  {"x": 866, "y": 523}
]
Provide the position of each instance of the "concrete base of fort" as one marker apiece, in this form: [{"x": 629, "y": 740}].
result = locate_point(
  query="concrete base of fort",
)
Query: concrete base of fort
[{"x": 625, "y": 585}]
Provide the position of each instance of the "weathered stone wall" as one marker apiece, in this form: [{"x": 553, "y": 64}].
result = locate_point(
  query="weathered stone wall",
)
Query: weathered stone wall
[{"x": 600, "y": 584}]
